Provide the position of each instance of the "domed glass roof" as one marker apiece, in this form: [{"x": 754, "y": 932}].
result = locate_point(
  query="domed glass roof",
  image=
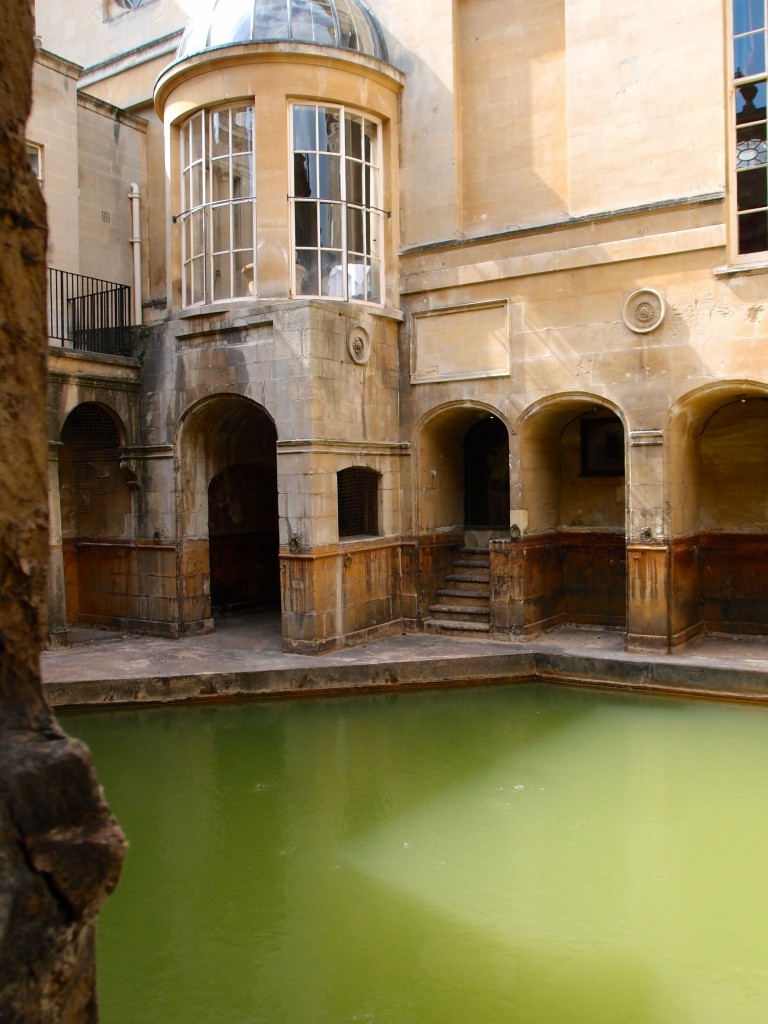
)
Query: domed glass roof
[{"x": 345, "y": 24}]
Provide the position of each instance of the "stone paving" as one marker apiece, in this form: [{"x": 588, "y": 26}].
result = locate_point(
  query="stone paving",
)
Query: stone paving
[{"x": 243, "y": 657}]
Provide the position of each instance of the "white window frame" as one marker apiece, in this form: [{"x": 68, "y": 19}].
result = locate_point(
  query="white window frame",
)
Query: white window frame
[
  {"x": 368, "y": 273},
  {"x": 736, "y": 256},
  {"x": 38, "y": 150},
  {"x": 200, "y": 210}
]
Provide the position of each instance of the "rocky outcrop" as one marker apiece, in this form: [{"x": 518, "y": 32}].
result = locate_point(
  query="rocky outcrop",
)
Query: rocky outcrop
[{"x": 60, "y": 847}]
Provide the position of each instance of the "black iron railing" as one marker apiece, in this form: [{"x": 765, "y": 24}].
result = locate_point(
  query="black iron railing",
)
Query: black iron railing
[{"x": 89, "y": 315}]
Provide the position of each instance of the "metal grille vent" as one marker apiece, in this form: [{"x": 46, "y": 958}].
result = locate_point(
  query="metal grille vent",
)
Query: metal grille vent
[{"x": 358, "y": 492}]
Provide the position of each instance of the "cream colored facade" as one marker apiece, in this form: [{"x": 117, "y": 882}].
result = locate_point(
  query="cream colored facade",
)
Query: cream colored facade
[{"x": 558, "y": 257}]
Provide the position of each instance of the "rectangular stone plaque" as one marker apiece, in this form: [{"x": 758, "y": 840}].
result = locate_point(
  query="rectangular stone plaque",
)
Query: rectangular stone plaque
[{"x": 460, "y": 342}]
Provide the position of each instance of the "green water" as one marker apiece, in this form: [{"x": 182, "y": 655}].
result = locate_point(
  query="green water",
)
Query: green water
[{"x": 519, "y": 854}]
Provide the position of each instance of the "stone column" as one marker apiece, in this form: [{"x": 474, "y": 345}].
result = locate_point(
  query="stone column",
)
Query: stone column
[
  {"x": 647, "y": 544},
  {"x": 58, "y": 631}
]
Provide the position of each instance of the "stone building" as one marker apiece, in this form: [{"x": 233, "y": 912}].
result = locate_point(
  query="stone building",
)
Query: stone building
[{"x": 443, "y": 315}]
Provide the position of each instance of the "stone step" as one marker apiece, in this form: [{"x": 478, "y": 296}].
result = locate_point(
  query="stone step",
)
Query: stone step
[
  {"x": 469, "y": 552},
  {"x": 472, "y": 563},
  {"x": 464, "y": 597},
  {"x": 470, "y": 578},
  {"x": 468, "y": 612},
  {"x": 454, "y": 628}
]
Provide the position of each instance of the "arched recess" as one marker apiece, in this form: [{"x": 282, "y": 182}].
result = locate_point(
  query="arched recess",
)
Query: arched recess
[
  {"x": 227, "y": 509},
  {"x": 463, "y": 470},
  {"x": 572, "y": 476},
  {"x": 717, "y": 469},
  {"x": 462, "y": 490},
  {"x": 96, "y": 504}
]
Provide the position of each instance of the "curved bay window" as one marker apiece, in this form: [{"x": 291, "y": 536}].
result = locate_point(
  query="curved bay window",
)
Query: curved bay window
[
  {"x": 337, "y": 223},
  {"x": 218, "y": 205}
]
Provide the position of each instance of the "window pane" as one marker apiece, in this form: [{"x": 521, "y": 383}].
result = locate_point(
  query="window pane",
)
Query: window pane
[
  {"x": 747, "y": 16},
  {"x": 305, "y": 220},
  {"x": 374, "y": 223},
  {"x": 306, "y": 273},
  {"x": 329, "y": 185},
  {"x": 219, "y": 133},
  {"x": 271, "y": 19},
  {"x": 374, "y": 282},
  {"x": 195, "y": 186},
  {"x": 751, "y": 146},
  {"x": 195, "y": 234},
  {"x": 219, "y": 185},
  {"x": 243, "y": 281},
  {"x": 753, "y": 232},
  {"x": 328, "y": 130},
  {"x": 371, "y": 152},
  {"x": 195, "y": 151},
  {"x": 357, "y": 279},
  {"x": 242, "y": 130},
  {"x": 751, "y": 189},
  {"x": 312, "y": 22},
  {"x": 242, "y": 176},
  {"x": 33, "y": 160},
  {"x": 222, "y": 285},
  {"x": 220, "y": 228},
  {"x": 354, "y": 182},
  {"x": 304, "y": 174},
  {"x": 750, "y": 102},
  {"x": 242, "y": 226},
  {"x": 749, "y": 55},
  {"x": 304, "y": 133},
  {"x": 354, "y": 136},
  {"x": 197, "y": 280},
  {"x": 330, "y": 226},
  {"x": 331, "y": 277},
  {"x": 355, "y": 235}
]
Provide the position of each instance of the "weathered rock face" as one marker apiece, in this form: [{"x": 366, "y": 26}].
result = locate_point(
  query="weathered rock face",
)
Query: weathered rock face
[{"x": 60, "y": 848}]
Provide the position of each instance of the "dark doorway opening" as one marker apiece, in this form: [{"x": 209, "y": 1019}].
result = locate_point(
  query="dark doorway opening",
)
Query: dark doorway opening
[
  {"x": 486, "y": 475},
  {"x": 243, "y": 538}
]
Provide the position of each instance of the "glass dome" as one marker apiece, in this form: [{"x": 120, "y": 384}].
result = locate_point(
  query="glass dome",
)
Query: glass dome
[{"x": 345, "y": 24}]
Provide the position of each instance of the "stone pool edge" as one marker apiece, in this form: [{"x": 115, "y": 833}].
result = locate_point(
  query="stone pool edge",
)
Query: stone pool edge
[{"x": 681, "y": 678}]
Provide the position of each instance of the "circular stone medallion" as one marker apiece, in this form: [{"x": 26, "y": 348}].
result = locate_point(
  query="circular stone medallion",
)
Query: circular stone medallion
[
  {"x": 359, "y": 345},
  {"x": 644, "y": 310}
]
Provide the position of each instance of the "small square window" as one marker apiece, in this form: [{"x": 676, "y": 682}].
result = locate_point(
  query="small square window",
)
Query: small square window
[
  {"x": 35, "y": 160},
  {"x": 358, "y": 494},
  {"x": 602, "y": 447}
]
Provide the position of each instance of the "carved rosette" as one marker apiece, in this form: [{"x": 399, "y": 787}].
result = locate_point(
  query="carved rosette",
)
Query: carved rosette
[
  {"x": 644, "y": 310},
  {"x": 359, "y": 345}
]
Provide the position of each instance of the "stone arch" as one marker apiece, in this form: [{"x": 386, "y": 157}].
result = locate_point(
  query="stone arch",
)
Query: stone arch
[
  {"x": 96, "y": 502},
  {"x": 573, "y": 511},
  {"x": 718, "y": 498},
  {"x": 441, "y": 472},
  {"x": 227, "y": 509}
]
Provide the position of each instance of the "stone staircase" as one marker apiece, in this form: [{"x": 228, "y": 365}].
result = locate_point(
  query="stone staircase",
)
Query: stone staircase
[{"x": 464, "y": 604}]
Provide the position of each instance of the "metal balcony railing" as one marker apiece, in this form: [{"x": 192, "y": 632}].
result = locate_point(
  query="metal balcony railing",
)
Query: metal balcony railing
[{"x": 89, "y": 315}]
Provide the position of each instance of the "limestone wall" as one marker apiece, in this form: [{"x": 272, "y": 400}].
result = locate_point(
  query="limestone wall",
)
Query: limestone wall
[{"x": 53, "y": 125}]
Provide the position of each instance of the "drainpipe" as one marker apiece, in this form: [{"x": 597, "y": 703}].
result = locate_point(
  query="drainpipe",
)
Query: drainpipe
[{"x": 135, "y": 196}]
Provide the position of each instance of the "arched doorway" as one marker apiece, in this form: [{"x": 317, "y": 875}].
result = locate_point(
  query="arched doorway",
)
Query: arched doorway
[
  {"x": 243, "y": 539},
  {"x": 228, "y": 511},
  {"x": 486, "y": 475},
  {"x": 96, "y": 507},
  {"x": 719, "y": 501},
  {"x": 572, "y": 452},
  {"x": 463, "y": 502}
]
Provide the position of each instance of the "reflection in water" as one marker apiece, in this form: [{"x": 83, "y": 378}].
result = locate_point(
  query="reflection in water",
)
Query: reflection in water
[{"x": 465, "y": 857}]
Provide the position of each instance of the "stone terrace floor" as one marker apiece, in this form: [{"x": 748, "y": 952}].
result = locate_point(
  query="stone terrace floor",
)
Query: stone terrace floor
[{"x": 243, "y": 658}]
